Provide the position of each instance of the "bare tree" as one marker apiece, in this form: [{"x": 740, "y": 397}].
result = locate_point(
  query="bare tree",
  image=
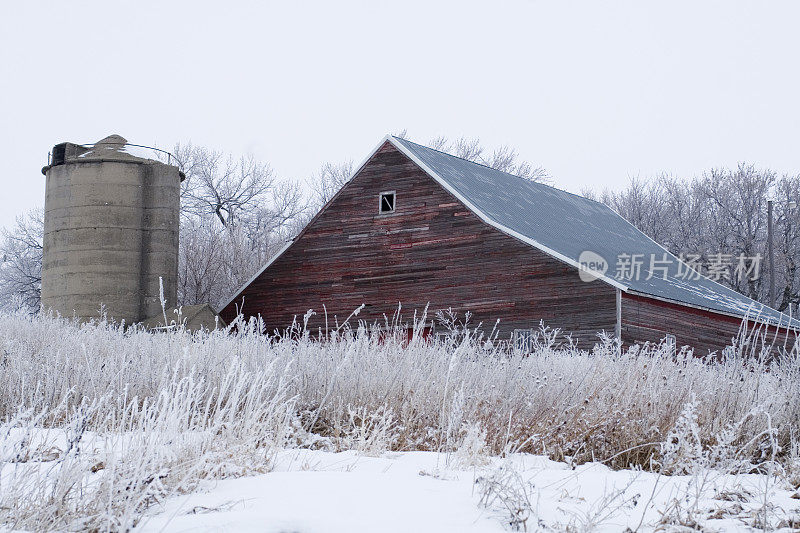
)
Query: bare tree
[
  {"x": 684, "y": 213},
  {"x": 641, "y": 204},
  {"x": 228, "y": 188},
  {"x": 215, "y": 261},
  {"x": 736, "y": 207},
  {"x": 328, "y": 180},
  {"x": 463, "y": 147},
  {"x": 21, "y": 267},
  {"x": 235, "y": 215},
  {"x": 504, "y": 158},
  {"x": 787, "y": 233},
  {"x": 723, "y": 212},
  {"x": 507, "y": 160},
  {"x": 200, "y": 262}
]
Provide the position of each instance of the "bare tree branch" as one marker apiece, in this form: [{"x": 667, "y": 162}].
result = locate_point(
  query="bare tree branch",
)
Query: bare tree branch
[{"x": 21, "y": 263}]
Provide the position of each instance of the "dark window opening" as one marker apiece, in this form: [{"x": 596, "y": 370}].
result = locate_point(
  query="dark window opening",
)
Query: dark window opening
[{"x": 386, "y": 202}]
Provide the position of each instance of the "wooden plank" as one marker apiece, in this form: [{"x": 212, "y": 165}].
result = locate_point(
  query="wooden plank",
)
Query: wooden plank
[{"x": 649, "y": 320}]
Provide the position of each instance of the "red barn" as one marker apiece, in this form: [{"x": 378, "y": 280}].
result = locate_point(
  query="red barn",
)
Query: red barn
[{"x": 420, "y": 227}]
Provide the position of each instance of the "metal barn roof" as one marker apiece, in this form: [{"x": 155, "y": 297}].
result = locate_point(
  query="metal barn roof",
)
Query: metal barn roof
[{"x": 565, "y": 225}]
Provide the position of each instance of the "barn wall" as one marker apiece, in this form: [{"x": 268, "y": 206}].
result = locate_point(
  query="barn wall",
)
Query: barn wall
[
  {"x": 649, "y": 320},
  {"x": 431, "y": 250}
]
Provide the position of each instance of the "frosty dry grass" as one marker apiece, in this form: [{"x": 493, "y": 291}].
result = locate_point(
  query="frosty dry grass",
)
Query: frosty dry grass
[{"x": 100, "y": 422}]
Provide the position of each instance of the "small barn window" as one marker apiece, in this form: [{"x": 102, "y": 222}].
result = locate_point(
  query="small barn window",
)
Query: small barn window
[{"x": 386, "y": 202}]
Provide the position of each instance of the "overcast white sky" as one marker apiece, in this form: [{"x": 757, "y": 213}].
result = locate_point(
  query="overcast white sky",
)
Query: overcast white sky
[{"x": 596, "y": 92}]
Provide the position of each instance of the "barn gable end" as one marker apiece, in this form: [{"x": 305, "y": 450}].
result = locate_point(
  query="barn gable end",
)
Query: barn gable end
[{"x": 431, "y": 250}]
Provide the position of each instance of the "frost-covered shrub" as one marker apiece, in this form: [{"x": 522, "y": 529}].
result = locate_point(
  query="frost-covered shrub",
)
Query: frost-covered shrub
[
  {"x": 472, "y": 451},
  {"x": 124, "y": 412},
  {"x": 506, "y": 492},
  {"x": 369, "y": 433},
  {"x": 100, "y": 455},
  {"x": 682, "y": 451}
]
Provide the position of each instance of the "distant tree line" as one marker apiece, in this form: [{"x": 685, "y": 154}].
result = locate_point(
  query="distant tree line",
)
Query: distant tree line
[
  {"x": 236, "y": 214},
  {"x": 21, "y": 262},
  {"x": 719, "y": 217}
]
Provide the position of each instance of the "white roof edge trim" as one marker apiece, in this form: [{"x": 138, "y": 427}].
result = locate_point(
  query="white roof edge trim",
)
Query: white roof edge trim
[
  {"x": 494, "y": 223},
  {"x": 370, "y": 156},
  {"x": 288, "y": 244},
  {"x": 251, "y": 280}
]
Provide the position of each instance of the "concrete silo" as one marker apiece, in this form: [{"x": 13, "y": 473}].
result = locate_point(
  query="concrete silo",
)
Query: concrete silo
[{"x": 110, "y": 231}]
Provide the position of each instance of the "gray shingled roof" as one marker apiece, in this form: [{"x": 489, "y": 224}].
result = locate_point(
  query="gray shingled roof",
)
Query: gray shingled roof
[{"x": 565, "y": 225}]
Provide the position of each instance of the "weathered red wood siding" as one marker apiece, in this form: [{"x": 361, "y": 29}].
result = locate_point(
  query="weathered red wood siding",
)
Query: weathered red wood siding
[
  {"x": 431, "y": 250},
  {"x": 650, "y": 320}
]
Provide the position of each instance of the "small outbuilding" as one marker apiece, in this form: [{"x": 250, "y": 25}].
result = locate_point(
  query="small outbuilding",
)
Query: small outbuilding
[{"x": 424, "y": 228}]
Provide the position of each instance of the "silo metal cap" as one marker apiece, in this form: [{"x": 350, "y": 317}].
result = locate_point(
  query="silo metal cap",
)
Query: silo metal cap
[
  {"x": 117, "y": 148},
  {"x": 112, "y": 148}
]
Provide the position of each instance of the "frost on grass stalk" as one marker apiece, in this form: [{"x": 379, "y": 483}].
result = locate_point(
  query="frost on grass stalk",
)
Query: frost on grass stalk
[
  {"x": 101, "y": 422},
  {"x": 472, "y": 451},
  {"x": 369, "y": 433},
  {"x": 507, "y": 493}
]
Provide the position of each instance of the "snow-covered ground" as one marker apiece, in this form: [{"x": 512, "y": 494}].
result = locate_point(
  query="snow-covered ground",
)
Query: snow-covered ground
[
  {"x": 107, "y": 429},
  {"x": 315, "y": 491}
]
